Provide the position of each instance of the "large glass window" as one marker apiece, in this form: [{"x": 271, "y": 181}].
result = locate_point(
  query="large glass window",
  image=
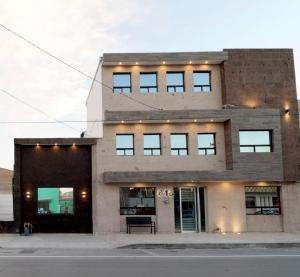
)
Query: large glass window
[
  {"x": 122, "y": 82},
  {"x": 148, "y": 82},
  {"x": 202, "y": 81},
  {"x": 55, "y": 201},
  {"x": 124, "y": 145},
  {"x": 179, "y": 144},
  {"x": 263, "y": 200},
  {"x": 206, "y": 144},
  {"x": 137, "y": 201},
  {"x": 152, "y": 145},
  {"x": 175, "y": 82},
  {"x": 255, "y": 141}
]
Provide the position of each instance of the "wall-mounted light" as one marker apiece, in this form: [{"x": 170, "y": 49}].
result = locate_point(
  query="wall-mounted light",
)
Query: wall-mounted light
[
  {"x": 83, "y": 194},
  {"x": 55, "y": 144},
  {"x": 28, "y": 194},
  {"x": 37, "y": 145}
]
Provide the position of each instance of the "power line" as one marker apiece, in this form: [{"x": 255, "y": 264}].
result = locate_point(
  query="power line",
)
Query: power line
[
  {"x": 73, "y": 67},
  {"x": 38, "y": 110}
]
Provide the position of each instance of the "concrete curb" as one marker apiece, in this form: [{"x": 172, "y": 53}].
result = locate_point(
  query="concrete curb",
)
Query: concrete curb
[{"x": 211, "y": 245}]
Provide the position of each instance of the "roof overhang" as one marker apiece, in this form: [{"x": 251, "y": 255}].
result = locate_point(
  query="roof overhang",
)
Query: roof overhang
[
  {"x": 53, "y": 141},
  {"x": 174, "y": 58}
]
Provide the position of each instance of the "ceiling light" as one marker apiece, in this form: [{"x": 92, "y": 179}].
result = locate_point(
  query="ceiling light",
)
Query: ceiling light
[
  {"x": 136, "y": 63},
  {"x": 122, "y": 121},
  {"x": 140, "y": 121},
  {"x": 168, "y": 120},
  {"x": 211, "y": 120},
  {"x": 195, "y": 120},
  {"x": 120, "y": 63},
  {"x": 190, "y": 62},
  {"x": 206, "y": 62},
  {"x": 163, "y": 62}
]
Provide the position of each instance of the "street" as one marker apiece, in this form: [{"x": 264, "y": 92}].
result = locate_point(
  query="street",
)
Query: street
[{"x": 144, "y": 262}]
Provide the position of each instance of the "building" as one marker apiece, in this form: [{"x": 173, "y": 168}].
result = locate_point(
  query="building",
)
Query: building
[
  {"x": 6, "y": 202},
  {"x": 201, "y": 141},
  {"x": 53, "y": 185}
]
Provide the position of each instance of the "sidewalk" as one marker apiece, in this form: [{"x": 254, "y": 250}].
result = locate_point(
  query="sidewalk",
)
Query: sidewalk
[{"x": 142, "y": 240}]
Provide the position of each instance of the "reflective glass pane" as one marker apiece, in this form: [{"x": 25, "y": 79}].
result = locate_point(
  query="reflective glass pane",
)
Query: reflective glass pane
[
  {"x": 201, "y": 151},
  {"x": 147, "y": 152},
  {"x": 121, "y": 80},
  {"x": 262, "y": 149},
  {"x": 124, "y": 141},
  {"x": 129, "y": 152},
  {"x": 254, "y": 137},
  {"x": 151, "y": 141},
  {"x": 175, "y": 79},
  {"x": 156, "y": 152},
  {"x": 201, "y": 78},
  {"x": 55, "y": 201},
  {"x": 206, "y": 89},
  {"x": 183, "y": 152},
  {"x": 178, "y": 141},
  {"x": 148, "y": 79},
  {"x": 210, "y": 152},
  {"x": 206, "y": 140},
  {"x": 246, "y": 149}
]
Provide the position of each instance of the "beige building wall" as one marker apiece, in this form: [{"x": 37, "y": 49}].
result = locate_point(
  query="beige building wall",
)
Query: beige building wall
[
  {"x": 139, "y": 162},
  {"x": 6, "y": 201},
  {"x": 188, "y": 100}
]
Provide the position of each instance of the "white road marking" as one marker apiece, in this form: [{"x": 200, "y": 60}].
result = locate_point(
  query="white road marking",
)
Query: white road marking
[{"x": 152, "y": 257}]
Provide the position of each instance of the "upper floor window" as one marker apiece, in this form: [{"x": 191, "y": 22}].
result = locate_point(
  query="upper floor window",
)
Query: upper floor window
[
  {"x": 206, "y": 144},
  {"x": 152, "y": 145},
  {"x": 262, "y": 200},
  {"x": 255, "y": 141},
  {"x": 148, "y": 82},
  {"x": 124, "y": 145},
  {"x": 202, "y": 81},
  {"x": 175, "y": 82},
  {"x": 179, "y": 144},
  {"x": 122, "y": 82}
]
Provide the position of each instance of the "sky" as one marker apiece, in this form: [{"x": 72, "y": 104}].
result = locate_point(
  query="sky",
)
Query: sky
[{"x": 79, "y": 31}]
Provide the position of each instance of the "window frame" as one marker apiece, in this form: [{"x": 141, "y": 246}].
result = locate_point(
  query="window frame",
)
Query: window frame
[
  {"x": 178, "y": 149},
  {"x": 160, "y": 151},
  {"x": 202, "y": 86},
  {"x": 124, "y": 149},
  {"x": 122, "y": 87},
  {"x": 257, "y": 145},
  {"x": 176, "y": 86},
  {"x": 262, "y": 208},
  {"x": 207, "y": 148},
  {"x": 73, "y": 214},
  {"x": 149, "y": 87},
  {"x": 124, "y": 208}
]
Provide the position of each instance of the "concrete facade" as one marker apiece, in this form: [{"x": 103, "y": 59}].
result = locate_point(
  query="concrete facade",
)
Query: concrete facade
[{"x": 251, "y": 89}]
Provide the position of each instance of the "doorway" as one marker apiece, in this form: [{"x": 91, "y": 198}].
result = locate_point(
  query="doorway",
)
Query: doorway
[{"x": 189, "y": 209}]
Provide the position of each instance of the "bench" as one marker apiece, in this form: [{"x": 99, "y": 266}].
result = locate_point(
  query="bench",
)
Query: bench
[{"x": 143, "y": 221}]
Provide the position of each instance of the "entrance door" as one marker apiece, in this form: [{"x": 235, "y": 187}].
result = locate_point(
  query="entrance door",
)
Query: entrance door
[{"x": 189, "y": 209}]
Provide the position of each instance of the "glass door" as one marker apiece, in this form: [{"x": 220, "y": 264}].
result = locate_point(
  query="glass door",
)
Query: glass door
[{"x": 189, "y": 209}]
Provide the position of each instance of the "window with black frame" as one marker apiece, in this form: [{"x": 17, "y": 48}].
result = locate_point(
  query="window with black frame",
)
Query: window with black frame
[
  {"x": 152, "y": 145},
  {"x": 125, "y": 144},
  {"x": 179, "y": 144},
  {"x": 148, "y": 82},
  {"x": 175, "y": 82},
  {"x": 137, "y": 201},
  {"x": 262, "y": 200},
  {"x": 259, "y": 141},
  {"x": 206, "y": 144},
  {"x": 122, "y": 82},
  {"x": 202, "y": 81}
]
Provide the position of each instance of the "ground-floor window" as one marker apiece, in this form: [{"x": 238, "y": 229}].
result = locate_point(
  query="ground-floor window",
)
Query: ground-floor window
[
  {"x": 55, "y": 201},
  {"x": 263, "y": 200},
  {"x": 137, "y": 201}
]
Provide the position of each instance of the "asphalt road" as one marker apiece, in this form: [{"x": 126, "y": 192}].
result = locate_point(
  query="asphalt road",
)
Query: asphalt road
[{"x": 154, "y": 262}]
